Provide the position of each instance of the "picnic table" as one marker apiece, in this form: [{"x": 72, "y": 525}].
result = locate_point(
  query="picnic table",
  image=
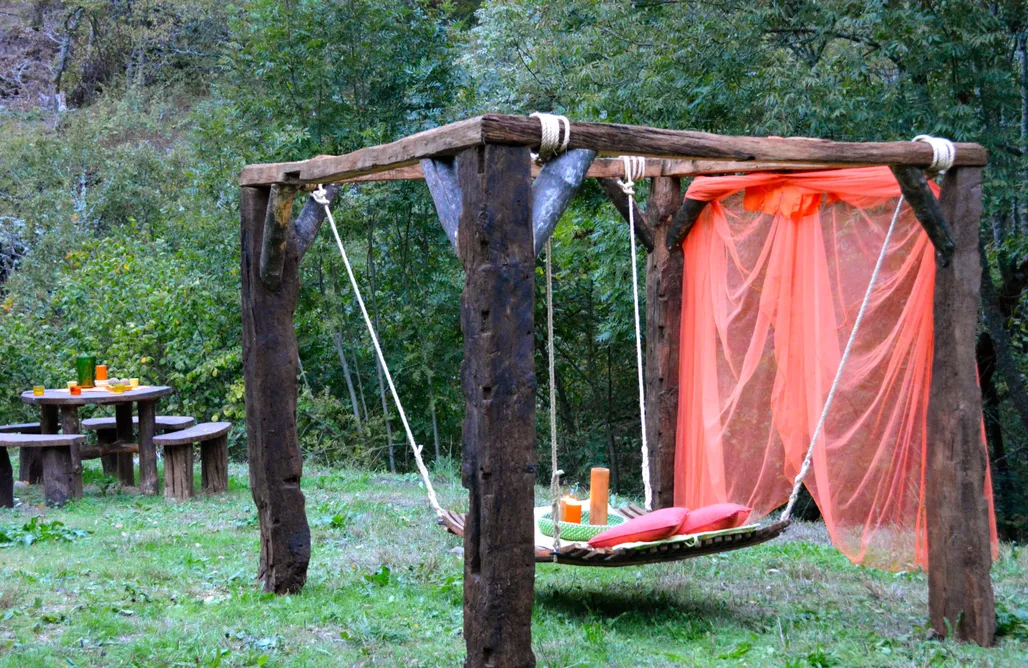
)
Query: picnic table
[{"x": 61, "y": 402}]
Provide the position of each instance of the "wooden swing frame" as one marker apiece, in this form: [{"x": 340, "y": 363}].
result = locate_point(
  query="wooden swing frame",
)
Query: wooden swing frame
[{"x": 480, "y": 173}]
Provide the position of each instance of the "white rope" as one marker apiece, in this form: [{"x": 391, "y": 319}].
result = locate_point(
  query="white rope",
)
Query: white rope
[
  {"x": 635, "y": 168},
  {"x": 550, "y": 144},
  {"x": 805, "y": 468},
  {"x": 320, "y": 197},
  {"x": 555, "y": 476},
  {"x": 943, "y": 152}
]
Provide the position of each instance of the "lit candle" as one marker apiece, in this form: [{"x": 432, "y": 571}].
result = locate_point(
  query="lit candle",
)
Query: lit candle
[
  {"x": 571, "y": 510},
  {"x": 599, "y": 495}
]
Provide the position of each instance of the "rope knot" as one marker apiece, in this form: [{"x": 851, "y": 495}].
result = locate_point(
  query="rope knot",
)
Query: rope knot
[
  {"x": 635, "y": 168},
  {"x": 551, "y": 145},
  {"x": 320, "y": 195},
  {"x": 944, "y": 152}
]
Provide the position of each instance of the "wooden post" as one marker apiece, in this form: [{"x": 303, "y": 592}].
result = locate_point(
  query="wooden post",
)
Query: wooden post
[
  {"x": 270, "y": 364},
  {"x": 214, "y": 465},
  {"x": 178, "y": 472},
  {"x": 960, "y": 593},
  {"x": 664, "y": 270},
  {"x": 70, "y": 425},
  {"x": 498, "y": 378},
  {"x": 30, "y": 460},
  {"x": 148, "y": 482},
  {"x": 6, "y": 480},
  {"x": 58, "y": 475}
]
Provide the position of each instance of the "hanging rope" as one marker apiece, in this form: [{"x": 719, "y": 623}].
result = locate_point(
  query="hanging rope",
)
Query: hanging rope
[
  {"x": 321, "y": 198},
  {"x": 555, "y": 476},
  {"x": 944, "y": 153},
  {"x": 635, "y": 168}
]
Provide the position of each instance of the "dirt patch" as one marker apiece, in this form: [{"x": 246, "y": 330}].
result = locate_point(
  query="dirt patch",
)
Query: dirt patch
[{"x": 27, "y": 52}]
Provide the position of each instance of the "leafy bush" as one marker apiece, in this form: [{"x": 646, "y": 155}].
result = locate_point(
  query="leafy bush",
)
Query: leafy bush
[{"x": 35, "y": 531}]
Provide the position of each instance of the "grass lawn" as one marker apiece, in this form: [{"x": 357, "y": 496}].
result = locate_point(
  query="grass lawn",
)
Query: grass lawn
[{"x": 158, "y": 583}]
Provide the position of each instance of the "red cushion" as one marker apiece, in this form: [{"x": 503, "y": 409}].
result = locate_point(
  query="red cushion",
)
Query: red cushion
[
  {"x": 714, "y": 518},
  {"x": 651, "y": 526}
]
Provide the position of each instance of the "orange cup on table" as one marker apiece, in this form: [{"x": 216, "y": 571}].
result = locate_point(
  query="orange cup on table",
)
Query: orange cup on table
[
  {"x": 571, "y": 510},
  {"x": 101, "y": 372},
  {"x": 75, "y": 390}
]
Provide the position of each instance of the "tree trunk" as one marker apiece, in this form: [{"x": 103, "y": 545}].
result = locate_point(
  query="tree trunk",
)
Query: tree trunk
[
  {"x": 495, "y": 243},
  {"x": 1005, "y": 363},
  {"x": 338, "y": 340},
  {"x": 378, "y": 331},
  {"x": 664, "y": 269},
  {"x": 985, "y": 355},
  {"x": 960, "y": 596},
  {"x": 270, "y": 360}
]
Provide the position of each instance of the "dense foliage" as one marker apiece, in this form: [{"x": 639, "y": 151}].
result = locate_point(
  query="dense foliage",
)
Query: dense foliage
[{"x": 118, "y": 229}]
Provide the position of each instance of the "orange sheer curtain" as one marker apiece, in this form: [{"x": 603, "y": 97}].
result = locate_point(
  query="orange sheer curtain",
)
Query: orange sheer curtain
[{"x": 775, "y": 270}]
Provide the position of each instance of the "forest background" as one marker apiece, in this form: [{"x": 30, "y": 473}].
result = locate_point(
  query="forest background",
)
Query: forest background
[{"x": 124, "y": 124}]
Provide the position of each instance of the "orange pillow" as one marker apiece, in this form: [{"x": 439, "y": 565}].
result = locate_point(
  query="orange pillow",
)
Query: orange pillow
[
  {"x": 651, "y": 526},
  {"x": 714, "y": 518}
]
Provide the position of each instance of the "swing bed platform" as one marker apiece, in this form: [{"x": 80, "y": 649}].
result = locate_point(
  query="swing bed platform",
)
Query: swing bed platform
[{"x": 580, "y": 554}]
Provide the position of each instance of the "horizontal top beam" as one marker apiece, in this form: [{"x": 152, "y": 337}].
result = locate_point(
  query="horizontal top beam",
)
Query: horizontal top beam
[{"x": 607, "y": 139}]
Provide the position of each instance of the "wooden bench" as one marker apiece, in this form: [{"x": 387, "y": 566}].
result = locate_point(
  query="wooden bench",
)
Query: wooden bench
[
  {"x": 61, "y": 479},
  {"x": 24, "y": 428},
  {"x": 115, "y": 456},
  {"x": 178, "y": 459}
]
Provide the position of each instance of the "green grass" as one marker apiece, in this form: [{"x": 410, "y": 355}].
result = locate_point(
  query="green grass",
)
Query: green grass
[{"x": 157, "y": 583}]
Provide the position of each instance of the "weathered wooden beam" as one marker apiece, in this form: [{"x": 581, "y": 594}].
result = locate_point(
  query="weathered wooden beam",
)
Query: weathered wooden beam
[
  {"x": 270, "y": 365},
  {"x": 919, "y": 196},
  {"x": 308, "y": 223},
  {"x": 498, "y": 381},
  {"x": 619, "y": 199},
  {"x": 276, "y": 234},
  {"x": 441, "y": 176},
  {"x": 664, "y": 272},
  {"x": 960, "y": 596},
  {"x": 615, "y": 168},
  {"x": 558, "y": 181},
  {"x": 603, "y": 138},
  {"x": 616, "y": 139},
  {"x": 682, "y": 224}
]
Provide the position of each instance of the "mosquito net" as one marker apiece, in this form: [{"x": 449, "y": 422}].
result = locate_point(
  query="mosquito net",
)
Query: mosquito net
[{"x": 775, "y": 270}]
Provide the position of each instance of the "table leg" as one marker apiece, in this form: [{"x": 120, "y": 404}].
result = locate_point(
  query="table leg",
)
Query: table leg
[
  {"x": 30, "y": 468},
  {"x": 70, "y": 425},
  {"x": 147, "y": 452},
  {"x": 7, "y": 479},
  {"x": 123, "y": 418}
]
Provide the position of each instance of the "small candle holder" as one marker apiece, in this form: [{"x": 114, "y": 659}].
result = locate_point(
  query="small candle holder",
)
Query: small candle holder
[
  {"x": 133, "y": 383},
  {"x": 75, "y": 390},
  {"x": 38, "y": 390},
  {"x": 101, "y": 372}
]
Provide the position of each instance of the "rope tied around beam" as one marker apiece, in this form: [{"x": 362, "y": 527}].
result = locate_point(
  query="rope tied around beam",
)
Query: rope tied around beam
[
  {"x": 635, "y": 168},
  {"x": 551, "y": 145},
  {"x": 944, "y": 152}
]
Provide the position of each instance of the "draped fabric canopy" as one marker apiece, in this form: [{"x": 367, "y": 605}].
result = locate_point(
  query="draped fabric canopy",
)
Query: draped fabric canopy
[{"x": 775, "y": 271}]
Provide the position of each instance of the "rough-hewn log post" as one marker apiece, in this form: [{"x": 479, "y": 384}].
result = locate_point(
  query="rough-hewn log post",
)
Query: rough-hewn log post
[
  {"x": 70, "y": 425},
  {"x": 664, "y": 270},
  {"x": 6, "y": 480},
  {"x": 959, "y": 555},
  {"x": 276, "y": 235},
  {"x": 148, "y": 482},
  {"x": 214, "y": 465},
  {"x": 30, "y": 460},
  {"x": 270, "y": 364},
  {"x": 498, "y": 378}
]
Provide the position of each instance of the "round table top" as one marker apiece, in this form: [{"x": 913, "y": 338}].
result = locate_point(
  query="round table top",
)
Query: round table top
[{"x": 65, "y": 398}]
